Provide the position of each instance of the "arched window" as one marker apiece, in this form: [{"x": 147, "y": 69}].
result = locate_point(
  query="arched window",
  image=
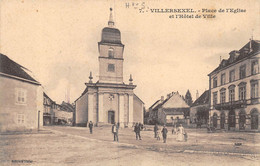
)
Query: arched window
[{"x": 111, "y": 52}]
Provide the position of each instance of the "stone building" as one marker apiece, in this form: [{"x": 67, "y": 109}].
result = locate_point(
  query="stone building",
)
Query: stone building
[
  {"x": 234, "y": 90},
  {"x": 109, "y": 100},
  {"x": 21, "y": 99},
  {"x": 48, "y": 112},
  {"x": 173, "y": 109},
  {"x": 199, "y": 110}
]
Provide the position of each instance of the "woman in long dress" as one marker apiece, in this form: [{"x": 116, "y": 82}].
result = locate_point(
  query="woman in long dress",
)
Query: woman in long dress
[{"x": 180, "y": 133}]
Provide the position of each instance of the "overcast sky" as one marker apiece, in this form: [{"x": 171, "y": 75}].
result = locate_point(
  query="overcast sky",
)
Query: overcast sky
[{"x": 57, "y": 41}]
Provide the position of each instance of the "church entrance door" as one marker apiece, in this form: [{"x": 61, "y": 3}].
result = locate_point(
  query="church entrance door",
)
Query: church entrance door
[{"x": 111, "y": 117}]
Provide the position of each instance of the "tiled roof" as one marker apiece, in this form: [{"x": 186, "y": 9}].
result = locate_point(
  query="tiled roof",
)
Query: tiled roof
[
  {"x": 243, "y": 53},
  {"x": 9, "y": 67},
  {"x": 154, "y": 104},
  {"x": 203, "y": 99}
]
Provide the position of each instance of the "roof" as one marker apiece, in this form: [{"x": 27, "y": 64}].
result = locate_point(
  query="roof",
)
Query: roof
[
  {"x": 244, "y": 52},
  {"x": 174, "y": 97},
  {"x": 111, "y": 35},
  {"x": 138, "y": 98},
  {"x": 203, "y": 99},
  {"x": 67, "y": 107},
  {"x": 154, "y": 104},
  {"x": 11, "y": 68}
]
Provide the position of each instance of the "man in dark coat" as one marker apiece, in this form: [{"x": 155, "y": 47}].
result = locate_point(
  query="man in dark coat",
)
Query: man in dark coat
[
  {"x": 115, "y": 131},
  {"x": 155, "y": 129},
  {"x": 137, "y": 131},
  {"x": 90, "y": 125},
  {"x": 164, "y": 133}
]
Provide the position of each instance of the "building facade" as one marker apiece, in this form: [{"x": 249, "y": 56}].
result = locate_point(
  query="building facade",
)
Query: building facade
[
  {"x": 48, "y": 110},
  {"x": 171, "y": 110},
  {"x": 234, "y": 90},
  {"x": 21, "y": 98},
  {"x": 109, "y": 100}
]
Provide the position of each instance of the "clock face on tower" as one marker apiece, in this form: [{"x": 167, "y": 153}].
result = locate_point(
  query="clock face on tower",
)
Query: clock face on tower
[{"x": 111, "y": 97}]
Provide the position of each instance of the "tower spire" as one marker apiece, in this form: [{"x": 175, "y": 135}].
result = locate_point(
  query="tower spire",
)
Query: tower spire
[{"x": 111, "y": 21}]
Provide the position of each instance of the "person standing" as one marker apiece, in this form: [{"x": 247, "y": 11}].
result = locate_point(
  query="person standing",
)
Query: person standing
[
  {"x": 155, "y": 129},
  {"x": 164, "y": 133},
  {"x": 90, "y": 125},
  {"x": 180, "y": 133},
  {"x": 137, "y": 131},
  {"x": 115, "y": 131}
]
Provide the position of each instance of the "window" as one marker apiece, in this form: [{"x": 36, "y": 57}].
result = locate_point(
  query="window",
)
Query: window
[
  {"x": 111, "y": 68},
  {"x": 223, "y": 79},
  {"x": 242, "y": 72},
  {"x": 215, "y": 82},
  {"x": 223, "y": 96},
  {"x": 20, "y": 118},
  {"x": 232, "y": 93},
  {"x": 254, "y": 89},
  {"x": 111, "y": 53},
  {"x": 232, "y": 76},
  {"x": 242, "y": 92},
  {"x": 255, "y": 68},
  {"x": 215, "y": 98},
  {"x": 20, "y": 96}
]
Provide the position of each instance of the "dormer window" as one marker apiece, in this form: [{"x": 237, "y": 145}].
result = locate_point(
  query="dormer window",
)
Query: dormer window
[{"x": 111, "y": 52}]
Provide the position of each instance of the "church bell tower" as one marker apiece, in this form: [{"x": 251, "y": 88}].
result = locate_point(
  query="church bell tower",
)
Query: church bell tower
[{"x": 111, "y": 54}]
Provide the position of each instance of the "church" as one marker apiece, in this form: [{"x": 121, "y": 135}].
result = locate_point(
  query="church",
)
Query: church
[{"x": 109, "y": 100}]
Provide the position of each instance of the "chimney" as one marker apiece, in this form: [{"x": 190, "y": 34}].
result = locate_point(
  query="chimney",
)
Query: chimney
[
  {"x": 168, "y": 96},
  {"x": 162, "y": 98},
  {"x": 250, "y": 45},
  {"x": 197, "y": 95}
]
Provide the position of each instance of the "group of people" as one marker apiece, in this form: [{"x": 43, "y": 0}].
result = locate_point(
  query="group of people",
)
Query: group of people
[{"x": 180, "y": 132}]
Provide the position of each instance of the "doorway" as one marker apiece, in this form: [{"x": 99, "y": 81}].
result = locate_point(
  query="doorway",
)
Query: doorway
[
  {"x": 222, "y": 120},
  {"x": 215, "y": 120},
  {"x": 242, "y": 120},
  {"x": 254, "y": 119},
  {"x": 111, "y": 117},
  {"x": 231, "y": 119}
]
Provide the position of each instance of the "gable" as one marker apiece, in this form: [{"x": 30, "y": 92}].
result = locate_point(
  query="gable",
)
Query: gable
[{"x": 175, "y": 101}]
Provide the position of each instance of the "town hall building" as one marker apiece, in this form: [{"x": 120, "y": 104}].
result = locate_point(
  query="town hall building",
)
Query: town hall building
[{"x": 109, "y": 100}]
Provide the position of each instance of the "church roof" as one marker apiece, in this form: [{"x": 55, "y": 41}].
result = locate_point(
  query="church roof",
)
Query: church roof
[
  {"x": 111, "y": 35},
  {"x": 11, "y": 68}
]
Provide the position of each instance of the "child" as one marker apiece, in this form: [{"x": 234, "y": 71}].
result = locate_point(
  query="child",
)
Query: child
[{"x": 158, "y": 135}]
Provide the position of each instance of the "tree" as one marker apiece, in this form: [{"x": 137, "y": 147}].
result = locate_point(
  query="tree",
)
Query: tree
[{"x": 188, "y": 98}]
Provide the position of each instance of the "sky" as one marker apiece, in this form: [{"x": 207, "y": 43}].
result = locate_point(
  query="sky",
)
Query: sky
[{"x": 57, "y": 41}]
